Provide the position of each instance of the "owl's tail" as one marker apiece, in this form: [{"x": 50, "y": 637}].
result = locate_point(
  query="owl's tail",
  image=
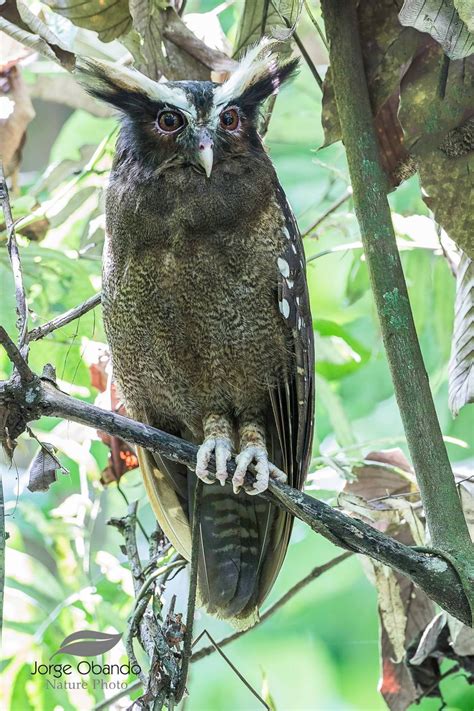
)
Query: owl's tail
[
  {"x": 236, "y": 535},
  {"x": 242, "y": 544}
]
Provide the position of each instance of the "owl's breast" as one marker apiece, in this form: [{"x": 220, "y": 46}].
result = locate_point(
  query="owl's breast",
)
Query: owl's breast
[{"x": 198, "y": 318}]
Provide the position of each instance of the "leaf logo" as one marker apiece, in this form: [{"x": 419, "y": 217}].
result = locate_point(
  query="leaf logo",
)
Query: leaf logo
[{"x": 87, "y": 643}]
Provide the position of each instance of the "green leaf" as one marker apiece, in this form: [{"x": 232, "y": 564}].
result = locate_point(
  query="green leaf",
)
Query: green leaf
[
  {"x": 338, "y": 352},
  {"x": 358, "y": 282},
  {"x": 335, "y": 409},
  {"x": 264, "y": 17},
  {"x": 109, "y": 18}
]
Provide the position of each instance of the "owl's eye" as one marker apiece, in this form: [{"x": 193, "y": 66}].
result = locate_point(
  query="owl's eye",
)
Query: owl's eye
[
  {"x": 230, "y": 119},
  {"x": 170, "y": 121}
]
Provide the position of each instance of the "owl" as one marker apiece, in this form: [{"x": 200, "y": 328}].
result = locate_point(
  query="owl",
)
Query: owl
[{"x": 206, "y": 310}]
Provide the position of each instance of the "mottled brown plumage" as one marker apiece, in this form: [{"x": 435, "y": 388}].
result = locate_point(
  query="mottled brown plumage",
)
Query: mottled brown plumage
[{"x": 206, "y": 312}]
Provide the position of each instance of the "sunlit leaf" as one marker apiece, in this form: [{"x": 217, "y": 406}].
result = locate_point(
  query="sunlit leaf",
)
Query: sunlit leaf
[{"x": 19, "y": 22}]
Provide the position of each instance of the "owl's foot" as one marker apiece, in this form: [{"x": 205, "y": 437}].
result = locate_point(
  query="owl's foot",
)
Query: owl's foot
[
  {"x": 258, "y": 456},
  {"x": 221, "y": 448}
]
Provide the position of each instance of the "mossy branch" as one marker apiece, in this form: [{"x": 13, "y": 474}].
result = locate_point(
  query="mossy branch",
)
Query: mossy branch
[
  {"x": 24, "y": 401},
  {"x": 445, "y": 518}
]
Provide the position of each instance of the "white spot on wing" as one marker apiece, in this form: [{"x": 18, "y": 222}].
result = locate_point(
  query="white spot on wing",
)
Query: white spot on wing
[
  {"x": 284, "y": 267},
  {"x": 285, "y": 308}
]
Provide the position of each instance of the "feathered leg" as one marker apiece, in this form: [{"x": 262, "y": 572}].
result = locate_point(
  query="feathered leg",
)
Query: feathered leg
[
  {"x": 218, "y": 432},
  {"x": 253, "y": 450}
]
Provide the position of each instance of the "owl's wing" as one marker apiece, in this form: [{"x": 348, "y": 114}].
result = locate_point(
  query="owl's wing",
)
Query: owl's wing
[
  {"x": 293, "y": 404},
  {"x": 290, "y": 421}
]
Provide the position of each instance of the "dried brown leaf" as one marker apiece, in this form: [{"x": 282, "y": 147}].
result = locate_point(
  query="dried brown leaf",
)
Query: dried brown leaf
[
  {"x": 43, "y": 468},
  {"x": 17, "y": 113},
  {"x": 375, "y": 481},
  {"x": 404, "y": 610}
]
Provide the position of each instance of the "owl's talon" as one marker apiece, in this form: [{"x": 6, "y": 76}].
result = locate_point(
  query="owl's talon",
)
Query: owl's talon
[
  {"x": 221, "y": 448},
  {"x": 277, "y": 474},
  {"x": 264, "y": 469}
]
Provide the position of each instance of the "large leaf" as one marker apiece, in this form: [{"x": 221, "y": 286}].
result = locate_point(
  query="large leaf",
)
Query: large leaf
[
  {"x": 441, "y": 20},
  {"x": 19, "y": 22},
  {"x": 461, "y": 367},
  {"x": 443, "y": 638},
  {"x": 153, "y": 54},
  {"x": 109, "y": 18},
  {"x": 383, "y": 494},
  {"x": 266, "y": 17}
]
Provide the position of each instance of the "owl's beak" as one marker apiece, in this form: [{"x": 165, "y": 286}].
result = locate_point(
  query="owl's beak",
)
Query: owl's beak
[{"x": 205, "y": 151}]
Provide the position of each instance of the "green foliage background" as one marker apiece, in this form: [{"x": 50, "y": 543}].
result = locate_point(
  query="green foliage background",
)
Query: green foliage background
[{"x": 64, "y": 565}]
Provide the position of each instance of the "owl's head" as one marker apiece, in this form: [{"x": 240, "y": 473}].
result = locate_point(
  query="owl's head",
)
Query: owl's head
[{"x": 194, "y": 123}]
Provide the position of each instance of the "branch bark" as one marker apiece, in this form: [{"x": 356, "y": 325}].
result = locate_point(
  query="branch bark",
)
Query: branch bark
[
  {"x": 46, "y": 328},
  {"x": 430, "y": 570},
  {"x": 445, "y": 518}
]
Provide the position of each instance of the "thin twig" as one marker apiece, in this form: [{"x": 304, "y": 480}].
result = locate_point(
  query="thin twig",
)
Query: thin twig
[
  {"x": 46, "y": 328},
  {"x": 143, "y": 623},
  {"x": 267, "y": 116},
  {"x": 216, "y": 648},
  {"x": 332, "y": 208},
  {"x": 14, "y": 254},
  {"x": 315, "y": 573},
  {"x": 434, "y": 572},
  {"x": 315, "y": 23},
  {"x": 291, "y": 27},
  {"x": 188, "y": 637},
  {"x": 144, "y": 590},
  {"x": 16, "y": 357},
  {"x": 108, "y": 703}
]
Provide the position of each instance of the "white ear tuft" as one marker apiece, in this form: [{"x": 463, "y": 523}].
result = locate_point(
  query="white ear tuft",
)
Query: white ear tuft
[
  {"x": 130, "y": 79},
  {"x": 259, "y": 61}
]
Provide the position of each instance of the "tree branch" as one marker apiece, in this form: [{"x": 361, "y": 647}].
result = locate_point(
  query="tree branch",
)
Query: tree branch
[
  {"x": 445, "y": 518},
  {"x": 14, "y": 254},
  {"x": 430, "y": 570},
  {"x": 46, "y": 328}
]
